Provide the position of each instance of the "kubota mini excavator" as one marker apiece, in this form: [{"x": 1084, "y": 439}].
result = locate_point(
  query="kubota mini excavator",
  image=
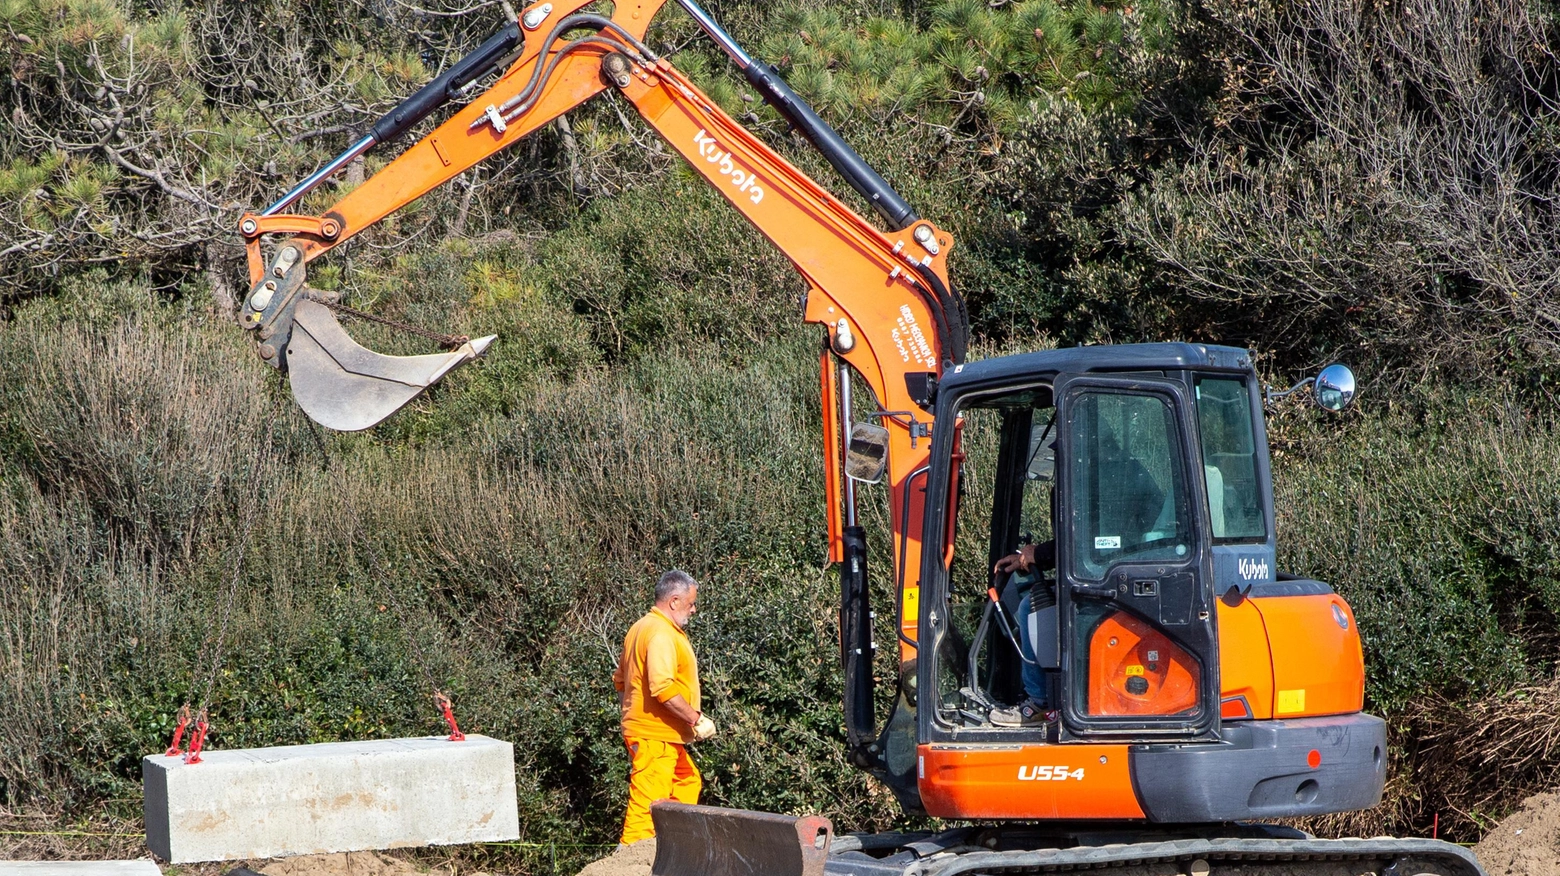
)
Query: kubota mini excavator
[{"x": 1195, "y": 689}]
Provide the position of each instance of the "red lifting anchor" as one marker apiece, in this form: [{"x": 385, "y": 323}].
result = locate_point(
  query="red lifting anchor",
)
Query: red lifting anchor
[
  {"x": 178, "y": 732},
  {"x": 197, "y": 739},
  {"x": 449, "y": 716}
]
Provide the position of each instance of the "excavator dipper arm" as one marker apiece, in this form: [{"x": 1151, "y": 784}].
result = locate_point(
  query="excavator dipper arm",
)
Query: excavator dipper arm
[{"x": 883, "y": 298}]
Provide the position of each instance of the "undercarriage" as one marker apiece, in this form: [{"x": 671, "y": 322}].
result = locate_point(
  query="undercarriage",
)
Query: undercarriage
[{"x": 712, "y": 841}]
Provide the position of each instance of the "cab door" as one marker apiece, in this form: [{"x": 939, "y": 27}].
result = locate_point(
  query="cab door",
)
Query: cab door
[{"x": 1139, "y": 647}]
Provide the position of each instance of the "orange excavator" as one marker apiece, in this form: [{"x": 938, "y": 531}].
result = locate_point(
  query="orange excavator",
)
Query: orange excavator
[{"x": 1150, "y": 706}]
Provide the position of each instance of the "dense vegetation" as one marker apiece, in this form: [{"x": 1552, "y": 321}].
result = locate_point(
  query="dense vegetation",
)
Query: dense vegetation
[{"x": 1323, "y": 179}]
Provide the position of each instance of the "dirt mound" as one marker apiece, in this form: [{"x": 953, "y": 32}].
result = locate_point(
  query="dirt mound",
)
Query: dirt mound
[
  {"x": 1527, "y": 843},
  {"x": 340, "y": 864},
  {"x": 632, "y": 861}
]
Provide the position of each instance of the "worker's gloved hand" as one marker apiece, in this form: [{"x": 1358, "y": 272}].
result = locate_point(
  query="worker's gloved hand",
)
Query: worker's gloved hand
[{"x": 703, "y": 729}]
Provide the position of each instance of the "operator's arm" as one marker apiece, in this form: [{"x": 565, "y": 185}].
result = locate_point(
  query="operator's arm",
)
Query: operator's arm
[
  {"x": 667, "y": 688},
  {"x": 1028, "y": 557}
]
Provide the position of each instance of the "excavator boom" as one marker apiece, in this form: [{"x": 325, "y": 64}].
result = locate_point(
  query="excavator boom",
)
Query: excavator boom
[{"x": 883, "y": 298}]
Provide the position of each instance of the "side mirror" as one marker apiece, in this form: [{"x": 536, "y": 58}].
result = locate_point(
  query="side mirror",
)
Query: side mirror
[
  {"x": 1334, "y": 387},
  {"x": 866, "y": 456}
]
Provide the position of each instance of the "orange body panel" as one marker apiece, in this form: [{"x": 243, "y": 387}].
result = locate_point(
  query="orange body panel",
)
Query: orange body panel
[
  {"x": 1318, "y": 664},
  {"x": 1136, "y": 670},
  {"x": 1030, "y": 781},
  {"x": 1245, "y": 663},
  {"x": 956, "y": 471}
]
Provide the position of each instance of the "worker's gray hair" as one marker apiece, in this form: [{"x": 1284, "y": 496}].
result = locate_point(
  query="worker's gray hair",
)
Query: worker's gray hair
[{"x": 673, "y": 583}]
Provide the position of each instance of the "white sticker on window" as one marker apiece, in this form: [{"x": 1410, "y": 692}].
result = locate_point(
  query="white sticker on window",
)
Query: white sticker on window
[{"x": 1107, "y": 542}]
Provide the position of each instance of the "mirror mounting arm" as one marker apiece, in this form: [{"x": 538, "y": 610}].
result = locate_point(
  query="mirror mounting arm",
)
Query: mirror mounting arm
[
  {"x": 918, "y": 428},
  {"x": 1270, "y": 395}
]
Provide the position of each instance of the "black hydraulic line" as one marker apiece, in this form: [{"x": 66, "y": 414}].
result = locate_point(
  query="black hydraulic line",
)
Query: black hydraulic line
[
  {"x": 443, "y": 89},
  {"x": 951, "y": 315},
  {"x": 518, "y": 105},
  {"x": 448, "y": 85},
  {"x": 894, "y": 209}
]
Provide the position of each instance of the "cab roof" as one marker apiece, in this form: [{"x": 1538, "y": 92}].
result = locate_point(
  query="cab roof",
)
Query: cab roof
[{"x": 1095, "y": 359}]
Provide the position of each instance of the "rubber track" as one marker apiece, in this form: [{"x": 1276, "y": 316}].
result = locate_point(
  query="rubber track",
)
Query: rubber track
[{"x": 1447, "y": 859}]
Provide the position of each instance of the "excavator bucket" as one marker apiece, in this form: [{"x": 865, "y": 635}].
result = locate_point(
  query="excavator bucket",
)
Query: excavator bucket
[
  {"x": 712, "y": 841},
  {"x": 344, "y": 386}
]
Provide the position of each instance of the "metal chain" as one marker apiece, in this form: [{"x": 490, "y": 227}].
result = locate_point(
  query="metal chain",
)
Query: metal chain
[
  {"x": 215, "y": 648},
  {"x": 447, "y": 341},
  {"x": 376, "y": 562}
]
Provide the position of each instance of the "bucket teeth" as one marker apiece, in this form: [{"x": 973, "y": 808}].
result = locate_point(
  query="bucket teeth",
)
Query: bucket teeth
[{"x": 345, "y": 386}]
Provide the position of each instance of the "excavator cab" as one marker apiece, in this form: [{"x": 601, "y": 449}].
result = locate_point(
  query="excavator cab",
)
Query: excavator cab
[
  {"x": 1163, "y": 641},
  {"x": 1116, "y": 636}
]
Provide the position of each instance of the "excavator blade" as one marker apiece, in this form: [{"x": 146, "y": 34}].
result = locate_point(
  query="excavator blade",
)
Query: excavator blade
[
  {"x": 344, "y": 386},
  {"x": 712, "y": 841}
]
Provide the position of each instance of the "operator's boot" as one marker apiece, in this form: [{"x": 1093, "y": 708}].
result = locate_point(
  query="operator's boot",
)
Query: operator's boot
[{"x": 1026, "y": 714}]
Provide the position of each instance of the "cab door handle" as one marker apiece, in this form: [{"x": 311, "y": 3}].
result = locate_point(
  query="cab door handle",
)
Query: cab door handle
[{"x": 1084, "y": 591}]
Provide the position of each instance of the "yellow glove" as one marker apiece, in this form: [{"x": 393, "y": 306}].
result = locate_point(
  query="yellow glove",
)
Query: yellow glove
[{"x": 703, "y": 728}]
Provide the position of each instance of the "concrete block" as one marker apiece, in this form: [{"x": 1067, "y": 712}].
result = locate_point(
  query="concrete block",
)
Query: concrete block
[
  {"x": 79, "y": 868},
  {"x": 333, "y": 797}
]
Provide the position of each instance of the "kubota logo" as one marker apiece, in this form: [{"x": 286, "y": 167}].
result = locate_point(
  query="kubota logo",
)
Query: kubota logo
[
  {"x": 1252, "y": 570},
  {"x": 710, "y": 151}
]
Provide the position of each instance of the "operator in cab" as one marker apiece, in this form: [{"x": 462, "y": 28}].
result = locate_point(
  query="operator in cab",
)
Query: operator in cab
[
  {"x": 1036, "y": 707},
  {"x": 657, "y": 681}
]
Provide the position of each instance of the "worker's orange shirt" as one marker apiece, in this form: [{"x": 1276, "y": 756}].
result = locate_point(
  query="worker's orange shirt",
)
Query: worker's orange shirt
[{"x": 657, "y": 665}]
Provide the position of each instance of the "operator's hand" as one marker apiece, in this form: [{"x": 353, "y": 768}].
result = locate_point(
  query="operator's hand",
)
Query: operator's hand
[
  {"x": 703, "y": 728},
  {"x": 1022, "y": 560}
]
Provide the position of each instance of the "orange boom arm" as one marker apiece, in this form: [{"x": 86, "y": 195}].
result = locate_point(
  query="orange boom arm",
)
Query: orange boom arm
[{"x": 883, "y": 298}]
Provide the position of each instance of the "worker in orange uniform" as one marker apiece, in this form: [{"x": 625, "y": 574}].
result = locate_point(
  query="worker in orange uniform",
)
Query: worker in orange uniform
[{"x": 657, "y": 680}]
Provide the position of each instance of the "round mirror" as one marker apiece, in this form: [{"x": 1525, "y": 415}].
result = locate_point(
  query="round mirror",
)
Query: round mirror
[{"x": 1334, "y": 387}]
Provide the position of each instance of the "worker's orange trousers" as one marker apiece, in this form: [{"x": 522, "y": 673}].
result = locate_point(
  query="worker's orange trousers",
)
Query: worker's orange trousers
[{"x": 661, "y": 770}]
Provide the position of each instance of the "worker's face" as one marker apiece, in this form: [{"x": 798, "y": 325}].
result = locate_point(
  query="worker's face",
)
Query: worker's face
[{"x": 681, "y": 606}]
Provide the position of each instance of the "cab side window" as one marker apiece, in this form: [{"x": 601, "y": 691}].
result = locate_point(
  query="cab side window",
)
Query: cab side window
[{"x": 1229, "y": 452}]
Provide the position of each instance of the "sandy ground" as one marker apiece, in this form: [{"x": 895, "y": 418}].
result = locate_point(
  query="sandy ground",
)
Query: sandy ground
[
  {"x": 1527, "y": 843},
  {"x": 632, "y": 861},
  {"x": 344, "y": 864}
]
